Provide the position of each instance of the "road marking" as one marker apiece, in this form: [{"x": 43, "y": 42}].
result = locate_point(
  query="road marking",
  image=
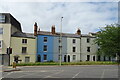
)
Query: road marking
[
  {"x": 102, "y": 76},
  {"x": 7, "y": 74},
  {"x": 35, "y": 73},
  {"x": 54, "y": 74},
  {"x": 38, "y": 71},
  {"x": 26, "y": 75},
  {"x": 76, "y": 74}
]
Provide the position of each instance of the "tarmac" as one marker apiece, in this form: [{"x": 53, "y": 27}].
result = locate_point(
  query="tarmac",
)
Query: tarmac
[{"x": 80, "y": 72}]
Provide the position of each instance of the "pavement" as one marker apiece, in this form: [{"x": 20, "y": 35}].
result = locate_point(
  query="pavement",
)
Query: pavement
[{"x": 79, "y": 72}]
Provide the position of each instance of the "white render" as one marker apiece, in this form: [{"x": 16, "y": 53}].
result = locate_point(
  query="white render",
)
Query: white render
[
  {"x": 93, "y": 48},
  {"x": 70, "y": 46},
  {"x": 56, "y": 48}
]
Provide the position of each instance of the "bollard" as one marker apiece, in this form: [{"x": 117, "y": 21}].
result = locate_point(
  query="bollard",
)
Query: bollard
[{"x": 14, "y": 65}]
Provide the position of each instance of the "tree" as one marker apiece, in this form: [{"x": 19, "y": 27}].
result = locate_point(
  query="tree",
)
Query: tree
[{"x": 108, "y": 39}]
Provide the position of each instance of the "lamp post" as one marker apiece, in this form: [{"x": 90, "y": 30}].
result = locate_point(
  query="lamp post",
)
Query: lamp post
[{"x": 61, "y": 41}]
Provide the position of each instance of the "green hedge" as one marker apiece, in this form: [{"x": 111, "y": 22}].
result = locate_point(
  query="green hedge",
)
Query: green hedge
[{"x": 68, "y": 63}]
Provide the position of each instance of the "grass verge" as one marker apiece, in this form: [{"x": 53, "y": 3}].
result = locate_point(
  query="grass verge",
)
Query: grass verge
[{"x": 68, "y": 63}]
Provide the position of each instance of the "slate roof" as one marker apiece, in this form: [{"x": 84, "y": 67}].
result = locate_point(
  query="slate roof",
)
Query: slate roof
[
  {"x": 63, "y": 34},
  {"x": 58, "y": 34},
  {"x": 21, "y": 34}
]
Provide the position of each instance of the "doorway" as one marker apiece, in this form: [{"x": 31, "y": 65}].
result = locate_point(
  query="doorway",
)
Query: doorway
[
  {"x": 39, "y": 58},
  {"x": 98, "y": 58},
  {"x": 68, "y": 58},
  {"x": 93, "y": 58},
  {"x": 88, "y": 57},
  {"x": 64, "y": 58}
]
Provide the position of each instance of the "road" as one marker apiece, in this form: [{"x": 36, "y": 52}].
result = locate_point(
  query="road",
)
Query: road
[{"x": 100, "y": 72}]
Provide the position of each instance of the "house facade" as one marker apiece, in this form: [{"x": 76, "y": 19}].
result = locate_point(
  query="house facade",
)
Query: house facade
[
  {"x": 43, "y": 46},
  {"x": 88, "y": 48},
  {"x": 11, "y": 36},
  {"x": 25, "y": 50},
  {"x": 75, "y": 47},
  {"x": 8, "y": 25}
]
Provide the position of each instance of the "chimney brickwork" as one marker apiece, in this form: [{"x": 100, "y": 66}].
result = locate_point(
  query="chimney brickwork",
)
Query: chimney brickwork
[
  {"x": 35, "y": 29},
  {"x": 79, "y": 32},
  {"x": 53, "y": 29}
]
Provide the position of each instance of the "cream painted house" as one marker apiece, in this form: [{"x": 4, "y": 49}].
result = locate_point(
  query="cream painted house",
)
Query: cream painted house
[
  {"x": 9, "y": 26},
  {"x": 24, "y": 47}
]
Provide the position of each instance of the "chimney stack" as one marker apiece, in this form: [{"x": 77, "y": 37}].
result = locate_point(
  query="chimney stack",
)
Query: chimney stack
[
  {"x": 53, "y": 29},
  {"x": 79, "y": 31},
  {"x": 35, "y": 29}
]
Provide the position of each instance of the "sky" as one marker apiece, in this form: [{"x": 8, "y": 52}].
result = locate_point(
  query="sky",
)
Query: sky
[{"x": 88, "y": 16}]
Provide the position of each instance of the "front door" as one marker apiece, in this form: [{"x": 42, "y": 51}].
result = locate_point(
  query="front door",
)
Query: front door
[
  {"x": 88, "y": 57},
  {"x": 39, "y": 58},
  {"x": 64, "y": 58},
  {"x": 68, "y": 58},
  {"x": 93, "y": 58}
]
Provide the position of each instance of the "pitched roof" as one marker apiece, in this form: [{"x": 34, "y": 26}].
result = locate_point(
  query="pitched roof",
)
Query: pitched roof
[
  {"x": 63, "y": 34},
  {"x": 21, "y": 34},
  {"x": 10, "y": 19},
  {"x": 58, "y": 34}
]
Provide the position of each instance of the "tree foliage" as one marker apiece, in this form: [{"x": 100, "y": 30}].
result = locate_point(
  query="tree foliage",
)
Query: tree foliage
[{"x": 108, "y": 39}]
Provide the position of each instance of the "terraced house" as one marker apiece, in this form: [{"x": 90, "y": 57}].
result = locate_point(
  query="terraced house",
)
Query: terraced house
[
  {"x": 75, "y": 47},
  {"x": 42, "y": 46},
  {"x": 23, "y": 44}
]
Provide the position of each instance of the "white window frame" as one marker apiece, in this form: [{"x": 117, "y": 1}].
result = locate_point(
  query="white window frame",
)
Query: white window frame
[
  {"x": 44, "y": 48},
  {"x": 24, "y": 50},
  {"x": 45, "y": 57},
  {"x": 74, "y": 57},
  {"x": 74, "y": 41},
  {"x": 24, "y": 41},
  {"x": 0, "y": 43},
  {"x": 2, "y": 18},
  {"x": 88, "y": 40},
  {"x": 27, "y": 57},
  {"x": 73, "y": 49}
]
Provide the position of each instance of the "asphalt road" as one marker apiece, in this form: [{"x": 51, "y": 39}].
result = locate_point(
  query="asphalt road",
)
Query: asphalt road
[{"x": 71, "y": 72}]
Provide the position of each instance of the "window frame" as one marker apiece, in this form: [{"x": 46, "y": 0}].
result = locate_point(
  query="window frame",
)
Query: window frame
[
  {"x": 24, "y": 50},
  {"x": 74, "y": 57},
  {"x": 2, "y": 18},
  {"x": 24, "y": 41},
  {"x": 74, "y": 41},
  {"x": 88, "y": 49},
  {"x": 28, "y": 58},
  {"x": 88, "y": 40},
  {"x": 45, "y": 46},
  {"x": 1, "y": 30},
  {"x": 45, "y": 39},
  {"x": 59, "y": 47},
  {"x": 1, "y": 43},
  {"x": 45, "y": 57},
  {"x": 74, "y": 49}
]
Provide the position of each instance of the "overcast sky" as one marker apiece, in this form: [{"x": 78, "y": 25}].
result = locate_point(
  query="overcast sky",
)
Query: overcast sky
[{"x": 88, "y": 16}]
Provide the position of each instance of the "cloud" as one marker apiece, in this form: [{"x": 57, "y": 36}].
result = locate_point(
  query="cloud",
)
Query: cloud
[{"x": 88, "y": 16}]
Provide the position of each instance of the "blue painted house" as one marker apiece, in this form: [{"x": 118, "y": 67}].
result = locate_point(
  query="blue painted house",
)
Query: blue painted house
[
  {"x": 44, "y": 48},
  {"x": 44, "y": 44}
]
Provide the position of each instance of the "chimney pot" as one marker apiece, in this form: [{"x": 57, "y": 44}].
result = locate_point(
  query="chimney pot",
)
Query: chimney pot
[
  {"x": 53, "y": 29},
  {"x": 35, "y": 29},
  {"x": 79, "y": 31}
]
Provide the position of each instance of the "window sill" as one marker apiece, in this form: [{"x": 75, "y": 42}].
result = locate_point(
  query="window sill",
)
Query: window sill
[
  {"x": 24, "y": 43},
  {"x": 24, "y": 53}
]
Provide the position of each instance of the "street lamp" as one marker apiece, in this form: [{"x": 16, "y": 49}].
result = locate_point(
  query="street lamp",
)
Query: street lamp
[{"x": 61, "y": 41}]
